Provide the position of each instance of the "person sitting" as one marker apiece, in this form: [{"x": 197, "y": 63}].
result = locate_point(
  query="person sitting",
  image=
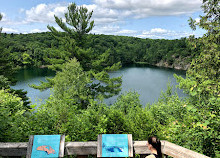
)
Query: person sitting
[{"x": 154, "y": 145}]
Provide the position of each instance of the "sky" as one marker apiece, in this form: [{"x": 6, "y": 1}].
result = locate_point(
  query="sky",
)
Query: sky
[{"x": 156, "y": 19}]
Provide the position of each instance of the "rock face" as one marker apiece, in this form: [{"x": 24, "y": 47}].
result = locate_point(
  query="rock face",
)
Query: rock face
[{"x": 177, "y": 64}]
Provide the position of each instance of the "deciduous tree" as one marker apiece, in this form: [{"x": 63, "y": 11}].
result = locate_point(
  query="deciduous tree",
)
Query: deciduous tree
[{"x": 202, "y": 82}]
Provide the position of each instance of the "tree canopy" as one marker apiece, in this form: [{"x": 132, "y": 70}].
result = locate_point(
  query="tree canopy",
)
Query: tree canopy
[
  {"x": 78, "y": 20},
  {"x": 0, "y": 20}
]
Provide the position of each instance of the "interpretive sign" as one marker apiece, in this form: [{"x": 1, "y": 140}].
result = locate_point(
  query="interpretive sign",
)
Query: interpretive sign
[
  {"x": 44, "y": 146},
  {"x": 115, "y": 145}
]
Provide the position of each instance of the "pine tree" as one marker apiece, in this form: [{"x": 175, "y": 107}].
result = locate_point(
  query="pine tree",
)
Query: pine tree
[
  {"x": 73, "y": 38},
  {"x": 79, "y": 20}
]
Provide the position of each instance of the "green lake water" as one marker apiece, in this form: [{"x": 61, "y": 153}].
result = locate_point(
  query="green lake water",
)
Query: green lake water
[{"x": 148, "y": 81}]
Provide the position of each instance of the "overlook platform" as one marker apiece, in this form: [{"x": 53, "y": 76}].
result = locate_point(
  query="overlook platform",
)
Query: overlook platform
[{"x": 83, "y": 149}]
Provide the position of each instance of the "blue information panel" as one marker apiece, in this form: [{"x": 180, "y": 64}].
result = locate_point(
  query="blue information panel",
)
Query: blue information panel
[
  {"x": 46, "y": 146},
  {"x": 115, "y": 145}
]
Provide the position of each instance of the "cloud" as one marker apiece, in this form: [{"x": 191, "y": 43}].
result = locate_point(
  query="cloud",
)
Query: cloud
[
  {"x": 113, "y": 30},
  {"x": 44, "y": 13},
  {"x": 146, "y": 8},
  {"x": 6, "y": 21},
  {"x": 36, "y": 30},
  {"x": 9, "y": 30},
  {"x": 158, "y": 30},
  {"x": 103, "y": 15},
  {"x": 159, "y": 33},
  {"x": 110, "y": 16},
  {"x": 127, "y": 32},
  {"x": 197, "y": 20},
  {"x": 107, "y": 12},
  {"x": 106, "y": 29}
]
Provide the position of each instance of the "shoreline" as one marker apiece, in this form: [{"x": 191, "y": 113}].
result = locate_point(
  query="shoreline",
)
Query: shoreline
[{"x": 176, "y": 66}]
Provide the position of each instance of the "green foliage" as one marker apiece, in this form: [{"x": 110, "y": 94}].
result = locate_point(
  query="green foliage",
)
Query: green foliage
[
  {"x": 0, "y": 20},
  {"x": 11, "y": 113},
  {"x": 203, "y": 78},
  {"x": 71, "y": 84},
  {"x": 199, "y": 129},
  {"x": 55, "y": 57},
  {"x": 86, "y": 124},
  {"x": 6, "y": 65},
  {"x": 4, "y": 82},
  {"x": 26, "y": 59},
  {"x": 7, "y": 69},
  {"x": 98, "y": 118},
  {"x": 95, "y": 66},
  {"x": 129, "y": 50},
  {"x": 44, "y": 49},
  {"x": 182, "y": 123},
  {"x": 44, "y": 85},
  {"x": 200, "y": 126},
  {"x": 61, "y": 116},
  {"x": 138, "y": 121},
  {"x": 79, "y": 20}
]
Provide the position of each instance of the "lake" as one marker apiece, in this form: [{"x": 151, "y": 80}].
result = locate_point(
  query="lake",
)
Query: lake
[
  {"x": 28, "y": 76},
  {"x": 148, "y": 81}
]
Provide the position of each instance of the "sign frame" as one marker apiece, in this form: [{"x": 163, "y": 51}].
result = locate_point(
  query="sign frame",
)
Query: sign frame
[
  {"x": 31, "y": 141},
  {"x": 130, "y": 145}
]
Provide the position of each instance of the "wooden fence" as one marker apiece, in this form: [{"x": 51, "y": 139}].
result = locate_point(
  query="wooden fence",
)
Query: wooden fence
[{"x": 83, "y": 149}]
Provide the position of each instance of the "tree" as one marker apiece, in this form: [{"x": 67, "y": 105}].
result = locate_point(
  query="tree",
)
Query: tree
[
  {"x": 6, "y": 66},
  {"x": 7, "y": 69},
  {"x": 74, "y": 36},
  {"x": 0, "y": 20},
  {"x": 95, "y": 65},
  {"x": 79, "y": 20},
  {"x": 72, "y": 85},
  {"x": 11, "y": 113},
  {"x": 202, "y": 81},
  {"x": 204, "y": 74}
]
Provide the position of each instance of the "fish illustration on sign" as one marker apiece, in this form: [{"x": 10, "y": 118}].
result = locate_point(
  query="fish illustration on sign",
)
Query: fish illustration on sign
[
  {"x": 112, "y": 148},
  {"x": 45, "y": 148}
]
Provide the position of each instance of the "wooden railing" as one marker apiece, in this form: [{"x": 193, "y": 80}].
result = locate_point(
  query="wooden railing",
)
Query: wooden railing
[{"x": 83, "y": 149}]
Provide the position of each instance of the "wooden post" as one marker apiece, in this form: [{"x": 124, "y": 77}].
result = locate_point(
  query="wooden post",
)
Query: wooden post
[
  {"x": 99, "y": 147},
  {"x": 29, "y": 147},
  {"x": 62, "y": 145},
  {"x": 130, "y": 146}
]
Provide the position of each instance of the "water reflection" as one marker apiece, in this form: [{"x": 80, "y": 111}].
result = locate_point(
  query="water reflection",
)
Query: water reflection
[{"x": 148, "y": 81}]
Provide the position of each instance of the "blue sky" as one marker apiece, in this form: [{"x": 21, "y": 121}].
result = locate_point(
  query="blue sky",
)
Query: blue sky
[{"x": 139, "y": 18}]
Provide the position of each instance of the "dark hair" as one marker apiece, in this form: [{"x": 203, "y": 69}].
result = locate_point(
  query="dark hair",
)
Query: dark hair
[{"x": 155, "y": 142}]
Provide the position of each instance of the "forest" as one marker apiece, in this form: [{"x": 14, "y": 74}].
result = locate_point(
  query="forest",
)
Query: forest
[
  {"x": 82, "y": 62},
  {"x": 37, "y": 48}
]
